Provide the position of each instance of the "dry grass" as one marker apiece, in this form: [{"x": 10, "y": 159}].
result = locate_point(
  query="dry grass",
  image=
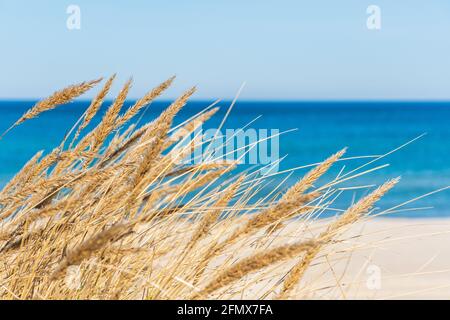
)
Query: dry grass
[{"x": 136, "y": 224}]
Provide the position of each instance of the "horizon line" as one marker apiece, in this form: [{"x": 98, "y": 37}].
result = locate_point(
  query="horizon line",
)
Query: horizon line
[{"x": 259, "y": 100}]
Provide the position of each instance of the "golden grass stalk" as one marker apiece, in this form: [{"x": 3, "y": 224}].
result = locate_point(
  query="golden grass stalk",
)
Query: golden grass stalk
[
  {"x": 311, "y": 177},
  {"x": 292, "y": 200},
  {"x": 95, "y": 106},
  {"x": 347, "y": 218},
  {"x": 107, "y": 123},
  {"x": 139, "y": 222},
  {"x": 89, "y": 247},
  {"x": 63, "y": 96},
  {"x": 254, "y": 263},
  {"x": 210, "y": 217},
  {"x": 190, "y": 126},
  {"x": 24, "y": 175},
  {"x": 144, "y": 101}
]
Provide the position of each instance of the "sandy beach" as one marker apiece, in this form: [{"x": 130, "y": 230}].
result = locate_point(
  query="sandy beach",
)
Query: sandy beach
[{"x": 394, "y": 259}]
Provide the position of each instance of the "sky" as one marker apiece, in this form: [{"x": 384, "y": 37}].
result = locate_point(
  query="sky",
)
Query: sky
[{"x": 282, "y": 50}]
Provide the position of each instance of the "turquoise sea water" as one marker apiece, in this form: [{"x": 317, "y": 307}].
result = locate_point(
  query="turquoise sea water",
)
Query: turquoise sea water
[{"x": 366, "y": 128}]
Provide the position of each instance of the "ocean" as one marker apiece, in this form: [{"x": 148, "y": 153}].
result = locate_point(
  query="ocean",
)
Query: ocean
[{"x": 366, "y": 128}]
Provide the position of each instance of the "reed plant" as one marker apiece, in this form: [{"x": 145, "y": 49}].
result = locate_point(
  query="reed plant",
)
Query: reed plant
[{"x": 111, "y": 213}]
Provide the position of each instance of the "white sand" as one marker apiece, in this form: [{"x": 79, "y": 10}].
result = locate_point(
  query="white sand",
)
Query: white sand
[{"x": 395, "y": 259}]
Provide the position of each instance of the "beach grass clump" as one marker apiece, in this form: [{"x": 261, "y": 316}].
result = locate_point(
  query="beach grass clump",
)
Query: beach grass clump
[{"x": 116, "y": 207}]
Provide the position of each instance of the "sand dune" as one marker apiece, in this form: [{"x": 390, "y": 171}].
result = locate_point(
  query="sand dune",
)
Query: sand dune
[{"x": 395, "y": 259}]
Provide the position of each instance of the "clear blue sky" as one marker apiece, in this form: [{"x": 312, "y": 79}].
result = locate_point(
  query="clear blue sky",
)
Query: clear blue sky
[{"x": 283, "y": 49}]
